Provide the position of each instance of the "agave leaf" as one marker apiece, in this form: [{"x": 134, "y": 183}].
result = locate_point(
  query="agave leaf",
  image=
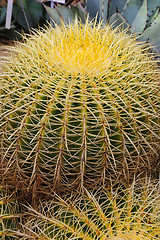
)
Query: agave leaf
[
  {"x": 152, "y": 5},
  {"x": 80, "y": 11},
  {"x": 131, "y": 9},
  {"x": 139, "y": 22},
  {"x": 93, "y": 7},
  {"x": 117, "y": 20},
  {"x": 20, "y": 19},
  {"x": 116, "y": 5},
  {"x": 64, "y": 13},
  {"x": 2, "y": 14},
  {"x": 30, "y": 17},
  {"x": 152, "y": 33},
  {"x": 52, "y": 12},
  {"x": 24, "y": 3},
  {"x": 35, "y": 14},
  {"x": 27, "y": 17},
  {"x": 156, "y": 20},
  {"x": 153, "y": 16},
  {"x": 103, "y": 9}
]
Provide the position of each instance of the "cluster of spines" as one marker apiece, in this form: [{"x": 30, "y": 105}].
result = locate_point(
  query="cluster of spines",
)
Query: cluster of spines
[
  {"x": 9, "y": 215},
  {"x": 68, "y": 124},
  {"x": 131, "y": 213}
]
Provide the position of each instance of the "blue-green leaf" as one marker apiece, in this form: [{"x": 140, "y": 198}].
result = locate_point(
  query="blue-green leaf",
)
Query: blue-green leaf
[
  {"x": 153, "y": 34},
  {"x": 153, "y": 16},
  {"x": 36, "y": 10},
  {"x": 63, "y": 13},
  {"x": 93, "y": 8},
  {"x": 19, "y": 17},
  {"x": 118, "y": 21},
  {"x": 103, "y": 9},
  {"x": 131, "y": 9},
  {"x": 80, "y": 12},
  {"x": 116, "y": 5},
  {"x": 24, "y": 3},
  {"x": 54, "y": 14},
  {"x": 156, "y": 20},
  {"x": 28, "y": 14},
  {"x": 3, "y": 11},
  {"x": 140, "y": 20},
  {"x": 152, "y": 5}
]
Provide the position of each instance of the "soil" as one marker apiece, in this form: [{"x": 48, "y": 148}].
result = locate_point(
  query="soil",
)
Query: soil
[
  {"x": 4, "y": 47},
  {"x": 5, "y": 50}
]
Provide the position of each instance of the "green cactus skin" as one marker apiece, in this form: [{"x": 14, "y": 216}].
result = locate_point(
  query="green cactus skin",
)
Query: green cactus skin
[
  {"x": 79, "y": 106},
  {"x": 130, "y": 214},
  {"x": 9, "y": 215}
]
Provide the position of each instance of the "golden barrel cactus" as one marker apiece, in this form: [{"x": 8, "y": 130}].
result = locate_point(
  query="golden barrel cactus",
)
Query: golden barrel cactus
[
  {"x": 9, "y": 215},
  {"x": 124, "y": 214},
  {"x": 79, "y": 105}
]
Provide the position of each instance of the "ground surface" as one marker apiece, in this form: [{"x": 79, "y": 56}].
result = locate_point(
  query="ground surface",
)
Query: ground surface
[
  {"x": 4, "y": 47},
  {"x": 5, "y": 50}
]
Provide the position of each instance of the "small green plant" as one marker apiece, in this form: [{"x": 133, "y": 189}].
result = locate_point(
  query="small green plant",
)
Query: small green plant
[
  {"x": 130, "y": 214},
  {"x": 79, "y": 105}
]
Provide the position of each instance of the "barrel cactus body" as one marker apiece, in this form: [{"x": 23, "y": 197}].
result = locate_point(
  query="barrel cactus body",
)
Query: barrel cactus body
[
  {"x": 79, "y": 106},
  {"x": 9, "y": 215},
  {"x": 130, "y": 214}
]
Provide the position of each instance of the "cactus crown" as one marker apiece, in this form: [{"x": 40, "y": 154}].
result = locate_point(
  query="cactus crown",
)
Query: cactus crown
[
  {"x": 83, "y": 49},
  {"x": 79, "y": 105}
]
